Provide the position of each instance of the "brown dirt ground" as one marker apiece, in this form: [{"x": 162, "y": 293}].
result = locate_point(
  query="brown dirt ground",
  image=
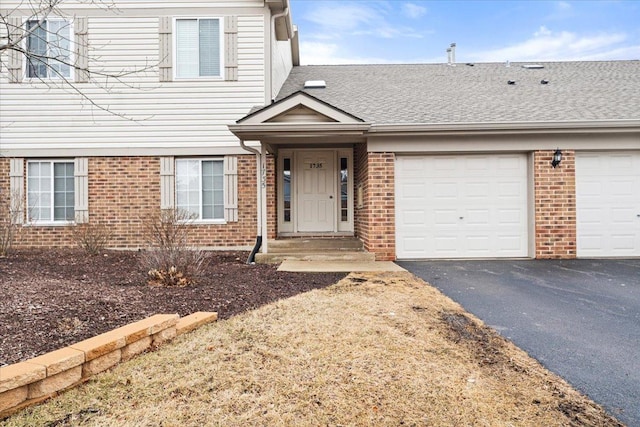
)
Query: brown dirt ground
[{"x": 53, "y": 298}]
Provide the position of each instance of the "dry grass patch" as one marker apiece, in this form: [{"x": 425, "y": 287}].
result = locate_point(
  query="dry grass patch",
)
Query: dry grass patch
[{"x": 375, "y": 349}]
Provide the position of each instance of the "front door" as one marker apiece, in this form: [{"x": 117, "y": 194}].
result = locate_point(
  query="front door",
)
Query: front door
[{"x": 316, "y": 191}]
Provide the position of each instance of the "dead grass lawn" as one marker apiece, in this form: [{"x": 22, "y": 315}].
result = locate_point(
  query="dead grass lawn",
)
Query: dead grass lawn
[{"x": 375, "y": 349}]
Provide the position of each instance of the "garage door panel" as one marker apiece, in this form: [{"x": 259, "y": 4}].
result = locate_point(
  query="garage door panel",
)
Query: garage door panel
[
  {"x": 478, "y": 217},
  {"x": 445, "y": 190},
  {"x": 445, "y": 217},
  {"x": 477, "y": 189},
  {"x": 474, "y": 206},
  {"x": 608, "y": 204},
  {"x": 510, "y": 242}
]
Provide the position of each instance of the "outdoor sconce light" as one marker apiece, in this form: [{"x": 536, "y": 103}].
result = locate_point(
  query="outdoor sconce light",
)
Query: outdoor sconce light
[{"x": 557, "y": 158}]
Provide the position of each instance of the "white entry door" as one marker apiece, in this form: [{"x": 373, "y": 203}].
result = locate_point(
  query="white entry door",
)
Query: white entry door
[{"x": 316, "y": 191}]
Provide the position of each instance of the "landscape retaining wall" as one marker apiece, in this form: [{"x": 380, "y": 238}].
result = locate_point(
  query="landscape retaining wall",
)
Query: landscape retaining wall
[{"x": 35, "y": 380}]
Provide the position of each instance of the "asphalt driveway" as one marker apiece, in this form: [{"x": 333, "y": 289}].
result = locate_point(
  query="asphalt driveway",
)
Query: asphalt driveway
[{"x": 579, "y": 318}]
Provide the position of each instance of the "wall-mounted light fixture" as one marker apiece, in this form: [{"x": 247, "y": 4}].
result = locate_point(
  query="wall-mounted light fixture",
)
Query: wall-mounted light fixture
[{"x": 557, "y": 158}]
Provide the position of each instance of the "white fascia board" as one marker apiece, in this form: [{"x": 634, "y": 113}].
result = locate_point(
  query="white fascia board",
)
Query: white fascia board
[
  {"x": 506, "y": 128},
  {"x": 329, "y": 127},
  {"x": 506, "y": 142}
]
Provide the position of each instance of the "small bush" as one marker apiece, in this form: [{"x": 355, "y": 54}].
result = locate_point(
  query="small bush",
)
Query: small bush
[
  {"x": 10, "y": 221},
  {"x": 93, "y": 238},
  {"x": 168, "y": 258}
]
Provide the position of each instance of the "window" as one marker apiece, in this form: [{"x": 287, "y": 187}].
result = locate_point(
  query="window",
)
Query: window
[
  {"x": 200, "y": 188},
  {"x": 344, "y": 189},
  {"x": 286, "y": 193},
  {"x": 50, "y": 191},
  {"x": 198, "y": 48},
  {"x": 48, "y": 48}
]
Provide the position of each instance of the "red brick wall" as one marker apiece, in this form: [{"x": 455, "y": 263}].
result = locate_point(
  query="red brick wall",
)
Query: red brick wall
[
  {"x": 555, "y": 205},
  {"x": 375, "y": 221},
  {"x": 123, "y": 191},
  {"x": 361, "y": 170},
  {"x": 272, "y": 200}
]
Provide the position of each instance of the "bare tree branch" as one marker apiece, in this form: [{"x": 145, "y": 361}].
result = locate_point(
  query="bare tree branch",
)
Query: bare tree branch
[{"x": 44, "y": 39}]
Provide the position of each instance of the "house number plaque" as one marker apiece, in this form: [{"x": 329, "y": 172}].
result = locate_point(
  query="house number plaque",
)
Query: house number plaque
[{"x": 318, "y": 165}]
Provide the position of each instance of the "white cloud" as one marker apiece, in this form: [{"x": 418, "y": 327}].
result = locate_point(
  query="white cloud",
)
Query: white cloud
[
  {"x": 319, "y": 53},
  {"x": 342, "y": 19},
  {"x": 547, "y": 45},
  {"x": 413, "y": 10}
]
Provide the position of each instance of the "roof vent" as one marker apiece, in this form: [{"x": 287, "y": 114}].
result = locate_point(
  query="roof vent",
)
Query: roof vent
[
  {"x": 533, "y": 66},
  {"x": 544, "y": 82},
  {"x": 315, "y": 84},
  {"x": 470, "y": 64},
  {"x": 511, "y": 82}
]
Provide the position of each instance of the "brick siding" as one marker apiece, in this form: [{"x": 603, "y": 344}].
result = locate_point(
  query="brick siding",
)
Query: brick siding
[
  {"x": 272, "y": 199},
  {"x": 375, "y": 220},
  {"x": 123, "y": 191},
  {"x": 555, "y": 205}
]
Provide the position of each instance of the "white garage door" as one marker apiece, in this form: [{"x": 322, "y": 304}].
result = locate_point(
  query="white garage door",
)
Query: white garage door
[
  {"x": 608, "y": 204},
  {"x": 461, "y": 206}
]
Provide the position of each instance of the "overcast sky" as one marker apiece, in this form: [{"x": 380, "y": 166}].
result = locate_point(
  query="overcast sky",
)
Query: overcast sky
[{"x": 397, "y": 31}]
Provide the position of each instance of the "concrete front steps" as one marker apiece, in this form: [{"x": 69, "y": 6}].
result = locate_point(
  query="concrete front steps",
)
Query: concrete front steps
[{"x": 315, "y": 249}]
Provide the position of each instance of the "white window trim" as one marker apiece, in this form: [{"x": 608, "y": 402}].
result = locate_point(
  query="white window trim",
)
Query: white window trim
[
  {"x": 72, "y": 46},
  {"x": 200, "y": 160},
  {"x": 52, "y": 222},
  {"x": 221, "y": 49}
]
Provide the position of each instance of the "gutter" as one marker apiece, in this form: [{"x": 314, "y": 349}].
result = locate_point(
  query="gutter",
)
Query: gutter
[
  {"x": 586, "y": 126},
  {"x": 272, "y": 39},
  {"x": 258, "y": 244}
]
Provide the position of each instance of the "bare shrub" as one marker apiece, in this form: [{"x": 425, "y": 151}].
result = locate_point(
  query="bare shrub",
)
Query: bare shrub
[
  {"x": 168, "y": 258},
  {"x": 92, "y": 237},
  {"x": 10, "y": 221}
]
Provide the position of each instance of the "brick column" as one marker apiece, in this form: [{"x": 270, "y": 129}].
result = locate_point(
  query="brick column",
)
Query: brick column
[
  {"x": 555, "y": 205},
  {"x": 272, "y": 200},
  {"x": 379, "y": 214}
]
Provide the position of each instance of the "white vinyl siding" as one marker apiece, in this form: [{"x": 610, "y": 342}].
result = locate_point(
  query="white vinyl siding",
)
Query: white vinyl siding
[
  {"x": 50, "y": 191},
  {"x": 200, "y": 188},
  {"x": 198, "y": 47},
  {"x": 182, "y": 117},
  {"x": 49, "y": 49}
]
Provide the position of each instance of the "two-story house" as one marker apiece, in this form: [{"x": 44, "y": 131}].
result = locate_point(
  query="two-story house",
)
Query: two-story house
[
  {"x": 201, "y": 106},
  {"x": 123, "y": 108}
]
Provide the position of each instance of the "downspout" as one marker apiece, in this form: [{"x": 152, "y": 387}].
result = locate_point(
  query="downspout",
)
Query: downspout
[
  {"x": 258, "y": 244},
  {"x": 272, "y": 41}
]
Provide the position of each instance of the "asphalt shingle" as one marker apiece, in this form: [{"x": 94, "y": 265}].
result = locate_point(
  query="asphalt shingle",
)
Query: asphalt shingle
[{"x": 439, "y": 93}]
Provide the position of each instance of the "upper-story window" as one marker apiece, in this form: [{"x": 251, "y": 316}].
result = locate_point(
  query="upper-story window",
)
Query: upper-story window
[
  {"x": 48, "y": 48},
  {"x": 198, "y": 48}
]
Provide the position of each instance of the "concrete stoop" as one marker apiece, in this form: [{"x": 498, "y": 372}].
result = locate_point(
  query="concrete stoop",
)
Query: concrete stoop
[{"x": 348, "y": 249}]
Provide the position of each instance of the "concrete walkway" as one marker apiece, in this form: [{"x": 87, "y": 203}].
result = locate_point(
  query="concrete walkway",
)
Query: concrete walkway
[{"x": 338, "y": 266}]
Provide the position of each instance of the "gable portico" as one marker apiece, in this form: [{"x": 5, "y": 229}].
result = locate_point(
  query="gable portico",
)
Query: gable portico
[{"x": 307, "y": 149}]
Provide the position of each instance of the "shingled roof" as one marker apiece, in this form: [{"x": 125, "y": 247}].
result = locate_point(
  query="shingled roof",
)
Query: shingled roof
[{"x": 478, "y": 93}]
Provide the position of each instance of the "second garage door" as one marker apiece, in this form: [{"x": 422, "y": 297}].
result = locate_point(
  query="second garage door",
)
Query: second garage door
[
  {"x": 462, "y": 206},
  {"x": 608, "y": 204}
]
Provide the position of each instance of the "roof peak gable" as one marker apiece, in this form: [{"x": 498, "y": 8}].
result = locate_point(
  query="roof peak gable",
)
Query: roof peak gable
[{"x": 299, "y": 107}]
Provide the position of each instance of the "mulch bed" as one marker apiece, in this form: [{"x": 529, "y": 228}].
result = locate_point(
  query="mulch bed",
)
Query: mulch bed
[{"x": 53, "y": 298}]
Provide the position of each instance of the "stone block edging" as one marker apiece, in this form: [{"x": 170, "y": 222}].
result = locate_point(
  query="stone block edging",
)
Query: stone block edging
[{"x": 32, "y": 381}]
